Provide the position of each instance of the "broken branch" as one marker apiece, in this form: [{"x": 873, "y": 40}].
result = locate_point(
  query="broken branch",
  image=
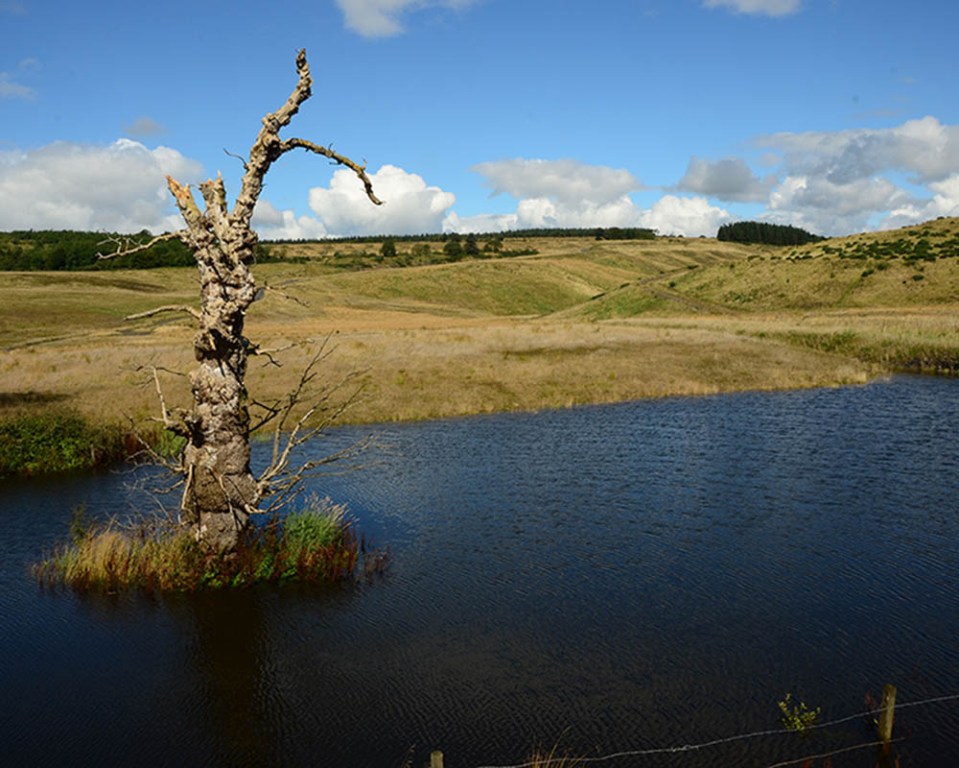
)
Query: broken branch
[
  {"x": 125, "y": 249},
  {"x": 167, "y": 308},
  {"x": 336, "y": 157}
]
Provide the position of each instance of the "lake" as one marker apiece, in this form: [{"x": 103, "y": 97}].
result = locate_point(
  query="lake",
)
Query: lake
[{"x": 609, "y": 579}]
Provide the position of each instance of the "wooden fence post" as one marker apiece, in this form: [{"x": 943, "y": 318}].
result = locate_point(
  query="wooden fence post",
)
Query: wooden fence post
[
  {"x": 887, "y": 713},
  {"x": 436, "y": 759}
]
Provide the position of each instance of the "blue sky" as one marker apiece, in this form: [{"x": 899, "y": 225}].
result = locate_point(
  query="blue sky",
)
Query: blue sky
[{"x": 476, "y": 115}]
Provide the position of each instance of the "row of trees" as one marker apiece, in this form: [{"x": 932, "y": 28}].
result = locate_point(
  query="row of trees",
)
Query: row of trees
[
  {"x": 67, "y": 250},
  {"x": 624, "y": 233},
  {"x": 599, "y": 233},
  {"x": 764, "y": 232},
  {"x": 58, "y": 250}
]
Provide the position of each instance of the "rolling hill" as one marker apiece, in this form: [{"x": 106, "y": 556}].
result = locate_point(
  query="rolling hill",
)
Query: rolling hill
[{"x": 578, "y": 321}]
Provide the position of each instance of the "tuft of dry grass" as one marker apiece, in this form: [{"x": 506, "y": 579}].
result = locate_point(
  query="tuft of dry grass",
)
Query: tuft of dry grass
[
  {"x": 552, "y": 759},
  {"x": 316, "y": 545}
]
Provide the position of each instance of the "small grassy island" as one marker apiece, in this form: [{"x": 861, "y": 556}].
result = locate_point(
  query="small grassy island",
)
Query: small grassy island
[{"x": 317, "y": 544}]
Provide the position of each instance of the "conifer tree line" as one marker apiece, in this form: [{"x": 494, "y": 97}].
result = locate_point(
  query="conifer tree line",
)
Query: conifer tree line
[
  {"x": 764, "y": 232},
  {"x": 56, "y": 250}
]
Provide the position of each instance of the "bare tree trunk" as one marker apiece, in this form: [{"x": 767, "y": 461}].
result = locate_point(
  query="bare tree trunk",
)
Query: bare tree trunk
[{"x": 220, "y": 491}]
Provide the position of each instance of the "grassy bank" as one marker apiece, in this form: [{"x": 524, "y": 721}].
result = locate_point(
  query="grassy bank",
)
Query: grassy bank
[{"x": 582, "y": 321}]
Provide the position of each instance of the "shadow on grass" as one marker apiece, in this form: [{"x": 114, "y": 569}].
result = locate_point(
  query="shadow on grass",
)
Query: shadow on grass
[{"x": 29, "y": 398}]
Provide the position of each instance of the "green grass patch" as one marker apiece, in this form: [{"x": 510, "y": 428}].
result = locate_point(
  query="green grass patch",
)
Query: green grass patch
[
  {"x": 630, "y": 301},
  {"x": 499, "y": 287},
  {"x": 55, "y": 441},
  {"x": 315, "y": 545}
]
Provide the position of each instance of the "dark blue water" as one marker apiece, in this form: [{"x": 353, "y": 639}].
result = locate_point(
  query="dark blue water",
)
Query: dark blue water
[{"x": 608, "y": 579}]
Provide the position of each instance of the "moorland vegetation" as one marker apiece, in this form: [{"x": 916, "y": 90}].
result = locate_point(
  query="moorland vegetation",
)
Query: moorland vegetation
[{"x": 576, "y": 320}]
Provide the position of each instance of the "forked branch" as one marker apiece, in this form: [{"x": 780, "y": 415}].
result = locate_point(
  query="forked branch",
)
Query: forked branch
[{"x": 269, "y": 147}]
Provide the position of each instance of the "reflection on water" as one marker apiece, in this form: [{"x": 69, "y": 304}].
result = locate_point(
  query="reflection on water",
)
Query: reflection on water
[{"x": 613, "y": 578}]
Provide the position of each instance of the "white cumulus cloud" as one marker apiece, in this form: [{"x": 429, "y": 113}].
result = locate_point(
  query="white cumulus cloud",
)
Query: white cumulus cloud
[
  {"x": 944, "y": 202},
  {"x": 535, "y": 212},
  {"x": 686, "y": 216},
  {"x": 569, "y": 193},
  {"x": 840, "y": 182},
  {"x": 823, "y": 206},
  {"x": 483, "y": 222},
  {"x": 925, "y": 148},
  {"x": 271, "y": 223},
  {"x": 120, "y": 187},
  {"x": 758, "y": 7},
  {"x": 410, "y": 206},
  {"x": 381, "y": 18},
  {"x": 558, "y": 193},
  {"x": 567, "y": 181}
]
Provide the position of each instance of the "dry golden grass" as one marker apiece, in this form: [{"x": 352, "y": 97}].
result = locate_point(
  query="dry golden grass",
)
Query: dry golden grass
[
  {"x": 582, "y": 322},
  {"x": 436, "y": 367},
  {"x": 553, "y": 759}
]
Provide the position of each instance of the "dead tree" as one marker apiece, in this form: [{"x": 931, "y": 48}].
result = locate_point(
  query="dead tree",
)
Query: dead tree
[{"x": 220, "y": 491}]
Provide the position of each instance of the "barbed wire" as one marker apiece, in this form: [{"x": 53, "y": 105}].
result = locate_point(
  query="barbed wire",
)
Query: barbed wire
[
  {"x": 801, "y": 760},
  {"x": 728, "y": 740}
]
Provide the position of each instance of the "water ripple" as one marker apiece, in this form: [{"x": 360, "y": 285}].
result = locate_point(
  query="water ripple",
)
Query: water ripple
[{"x": 633, "y": 576}]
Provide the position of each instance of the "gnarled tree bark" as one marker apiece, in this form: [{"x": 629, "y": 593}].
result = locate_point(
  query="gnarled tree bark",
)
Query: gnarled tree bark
[{"x": 220, "y": 491}]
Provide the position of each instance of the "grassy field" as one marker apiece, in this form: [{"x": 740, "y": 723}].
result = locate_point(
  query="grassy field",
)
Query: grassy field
[{"x": 582, "y": 321}]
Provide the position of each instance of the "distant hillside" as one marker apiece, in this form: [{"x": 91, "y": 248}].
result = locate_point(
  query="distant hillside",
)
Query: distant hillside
[
  {"x": 916, "y": 265},
  {"x": 926, "y": 242},
  {"x": 591, "y": 278},
  {"x": 562, "y": 275}
]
